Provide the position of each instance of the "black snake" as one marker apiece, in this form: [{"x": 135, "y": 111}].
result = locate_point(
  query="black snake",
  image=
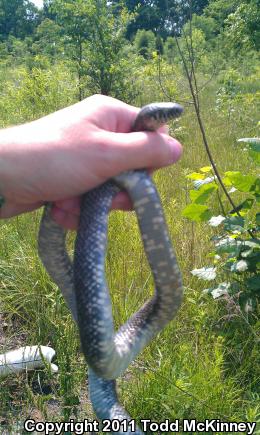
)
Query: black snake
[{"x": 83, "y": 284}]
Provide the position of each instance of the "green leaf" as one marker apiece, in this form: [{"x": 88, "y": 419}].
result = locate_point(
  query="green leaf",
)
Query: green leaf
[
  {"x": 245, "y": 206},
  {"x": 252, "y": 256},
  {"x": 195, "y": 176},
  {"x": 244, "y": 183},
  {"x": 229, "y": 245},
  {"x": 200, "y": 196},
  {"x": 227, "y": 181},
  {"x": 206, "y": 169},
  {"x": 254, "y": 148},
  {"x": 254, "y": 143},
  {"x": 250, "y": 253},
  {"x": 253, "y": 283},
  {"x": 256, "y": 190},
  {"x": 221, "y": 289},
  {"x": 255, "y": 155},
  {"x": 197, "y": 212},
  {"x": 234, "y": 223},
  {"x": 257, "y": 218},
  {"x": 255, "y": 244},
  {"x": 257, "y": 197}
]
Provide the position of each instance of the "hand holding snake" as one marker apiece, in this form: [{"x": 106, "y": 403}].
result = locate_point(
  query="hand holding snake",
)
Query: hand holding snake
[{"x": 62, "y": 155}]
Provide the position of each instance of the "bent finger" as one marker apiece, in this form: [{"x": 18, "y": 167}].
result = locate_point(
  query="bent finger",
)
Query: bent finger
[{"x": 138, "y": 150}]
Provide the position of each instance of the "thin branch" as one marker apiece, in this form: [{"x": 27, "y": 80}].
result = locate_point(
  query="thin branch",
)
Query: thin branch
[
  {"x": 187, "y": 102},
  {"x": 207, "y": 82},
  {"x": 202, "y": 129},
  {"x": 221, "y": 204},
  {"x": 193, "y": 55},
  {"x": 160, "y": 81},
  {"x": 197, "y": 110}
]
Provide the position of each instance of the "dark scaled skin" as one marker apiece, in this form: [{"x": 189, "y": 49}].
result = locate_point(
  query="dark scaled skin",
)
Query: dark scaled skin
[{"x": 108, "y": 353}]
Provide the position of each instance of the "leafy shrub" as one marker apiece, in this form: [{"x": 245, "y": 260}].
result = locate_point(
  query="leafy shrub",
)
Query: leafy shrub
[
  {"x": 32, "y": 94},
  {"x": 236, "y": 98},
  {"x": 236, "y": 255},
  {"x": 145, "y": 43}
]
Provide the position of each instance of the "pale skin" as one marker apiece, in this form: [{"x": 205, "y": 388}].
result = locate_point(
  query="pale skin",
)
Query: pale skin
[{"x": 60, "y": 156}]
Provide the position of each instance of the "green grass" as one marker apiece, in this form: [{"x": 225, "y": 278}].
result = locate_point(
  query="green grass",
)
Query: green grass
[{"x": 204, "y": 365}]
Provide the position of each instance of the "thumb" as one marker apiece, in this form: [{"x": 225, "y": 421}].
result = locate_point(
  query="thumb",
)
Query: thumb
[{"x": 142, "y": 150}]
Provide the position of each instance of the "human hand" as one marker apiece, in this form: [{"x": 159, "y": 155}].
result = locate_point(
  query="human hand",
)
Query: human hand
[{"x": 60, "y": 156}]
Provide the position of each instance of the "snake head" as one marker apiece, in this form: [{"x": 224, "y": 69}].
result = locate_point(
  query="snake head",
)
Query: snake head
[{"x": 152, "y": 116}]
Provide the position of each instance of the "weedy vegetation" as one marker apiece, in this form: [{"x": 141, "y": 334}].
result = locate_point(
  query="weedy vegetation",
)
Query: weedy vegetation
[{"x": 203, "y": 54}]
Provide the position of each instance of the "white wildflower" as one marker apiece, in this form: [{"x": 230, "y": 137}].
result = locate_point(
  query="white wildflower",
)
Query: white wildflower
[
  {"x": 206, "y": 273},
  {"x": 240, "y": 266},
  {"x": 215, "y": 221}
]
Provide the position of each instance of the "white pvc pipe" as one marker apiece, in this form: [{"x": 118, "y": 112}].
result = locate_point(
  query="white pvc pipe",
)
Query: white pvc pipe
[{"x": 26, "y": 358}]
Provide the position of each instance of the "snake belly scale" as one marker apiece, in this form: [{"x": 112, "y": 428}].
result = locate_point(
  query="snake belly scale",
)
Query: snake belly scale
[{"x": 83, "y": 284}]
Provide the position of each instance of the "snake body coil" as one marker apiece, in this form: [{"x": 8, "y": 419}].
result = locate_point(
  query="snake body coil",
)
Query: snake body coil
[{"x": 107, "y": 353}]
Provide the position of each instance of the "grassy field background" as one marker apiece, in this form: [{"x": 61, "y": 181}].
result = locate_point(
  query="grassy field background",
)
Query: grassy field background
[{"x": 205, "y": 364}]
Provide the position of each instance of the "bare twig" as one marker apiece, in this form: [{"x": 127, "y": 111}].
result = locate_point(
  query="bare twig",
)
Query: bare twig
[
  {"x": 201, "y": 125},
  {"x": 207, "y": 82},
  {"x": 193, "y": 56},
  {"x": 160, "y": 80},
  {"x": 192, "y": 80},
  {"x": 167, "y": 95}
]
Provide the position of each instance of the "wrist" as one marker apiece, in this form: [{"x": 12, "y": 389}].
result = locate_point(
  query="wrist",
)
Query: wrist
[
  {"x": 8, "y": 169},
  {"x": 21, "y": 160}
]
